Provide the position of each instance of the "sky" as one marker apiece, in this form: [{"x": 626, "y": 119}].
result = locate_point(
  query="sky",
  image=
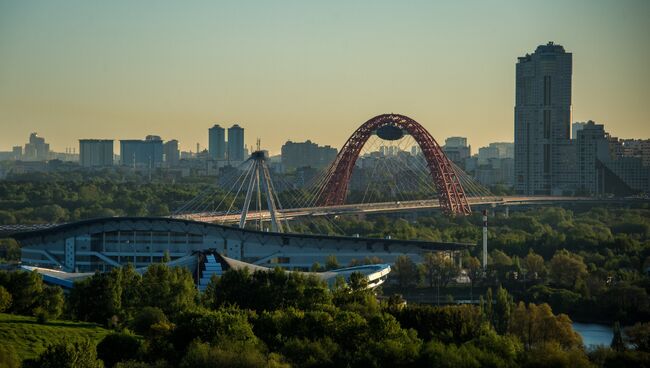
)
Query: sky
[{"x": 298, "y": 70}]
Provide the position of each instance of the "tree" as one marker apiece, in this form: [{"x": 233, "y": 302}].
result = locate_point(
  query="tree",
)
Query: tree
[
  {"x": 405, "y": 270},
  {"x": 25, "y": 289},
  {"x": 118, "y": 347},
  {"x": 66, "y": 354},
  {"x": 147, "y": 317},
  {"x": 554, "y": 355},
  {"x": 9, "y": 249},
  {"x": 617, "y": 340},
  {"x": 166, "y": 257},
  {"x": 97, "y": 298},
  {"x": 331, "y": 263},
  {"x": 502, "y": 310},
  {"x": 315, "y": 267},
  {"x": 7, "y": 218},
  {"x": 50, "y": 303},
  {"x": 439, "y": 269},
  {"x": 534, "y": 265},
  {"x": 639, "y": 336},
  {"x": 456, "y": 324},
  {"x": 51, "y": 213},
  {"x": 474, "y": 272},
  {"x": 567, "y": 269},
  {"x": 500, "y": 259},
  {"x": 212, "y": 327},
  {"x": 5, "y": 299},
  {"x": 225, "y": 354},
  {"x": 171, "y": 289},
  {"x": 358, "y": 281},
  {"x": 536, "y": 325}
]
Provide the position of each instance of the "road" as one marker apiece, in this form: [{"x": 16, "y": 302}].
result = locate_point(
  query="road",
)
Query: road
[{"x": 399, "y": 206}]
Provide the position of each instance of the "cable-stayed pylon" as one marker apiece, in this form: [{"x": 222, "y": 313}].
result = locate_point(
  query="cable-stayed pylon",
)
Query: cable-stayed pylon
[{"x": 260, "y": 180}]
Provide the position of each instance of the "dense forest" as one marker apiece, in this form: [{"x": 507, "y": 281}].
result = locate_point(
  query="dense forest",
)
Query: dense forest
[
  {"x": 280, "y": 319},
  {"x": 547, "y": 266}
]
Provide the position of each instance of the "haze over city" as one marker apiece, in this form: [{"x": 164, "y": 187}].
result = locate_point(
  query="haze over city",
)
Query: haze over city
[
  {"x": 303, "y": 70},
  {"x": 299, "y": 184}
]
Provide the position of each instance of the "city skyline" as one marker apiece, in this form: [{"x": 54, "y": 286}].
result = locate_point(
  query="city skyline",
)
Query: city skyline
[{"x": 319, "y": 83}]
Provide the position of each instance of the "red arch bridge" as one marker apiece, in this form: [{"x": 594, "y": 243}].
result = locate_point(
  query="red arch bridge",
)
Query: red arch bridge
[{"x": 253, "y": 195}]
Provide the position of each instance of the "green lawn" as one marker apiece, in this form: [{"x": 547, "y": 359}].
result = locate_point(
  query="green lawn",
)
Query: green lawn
[{"x": 30, "y": 338}]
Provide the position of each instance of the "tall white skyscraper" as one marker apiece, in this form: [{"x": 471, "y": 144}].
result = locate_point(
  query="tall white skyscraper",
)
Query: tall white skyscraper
[{"x": 543, "y": 153}]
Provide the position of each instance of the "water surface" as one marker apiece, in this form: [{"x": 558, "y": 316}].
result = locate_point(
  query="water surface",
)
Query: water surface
[{"x": 594, "y": 334}]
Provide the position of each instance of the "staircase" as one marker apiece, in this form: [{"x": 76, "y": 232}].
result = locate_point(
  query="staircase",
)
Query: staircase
[{"x": 212, "y": 267}]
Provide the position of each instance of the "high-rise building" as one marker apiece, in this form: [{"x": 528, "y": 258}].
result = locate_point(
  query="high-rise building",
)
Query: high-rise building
[
  {"x": 95, "y": 152},
  {"x": 592, "y": 148},
  {"x": 171, "y": 152},
  {"x": 542, "y": 122},
  {"x": 36, "y": 149},
  {"x": 456, "y": 142},
  {"x": 306, "y": 154},
  {"x": 636, "y": 148},
  {"x": 607, "y": 164},
  {"x": 217, "y": 142},
  {"x": 17, "y": 152},
  {"x": 505, "y": 149},
  {"x": 575, "y": 128},
  {"x": 147, "y": 153},
  {"x": 457, "y": 150},
  {"x": 236, "y": 144}
]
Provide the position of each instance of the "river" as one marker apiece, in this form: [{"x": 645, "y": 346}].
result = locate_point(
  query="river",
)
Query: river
[{"x": 594, "y": 334}]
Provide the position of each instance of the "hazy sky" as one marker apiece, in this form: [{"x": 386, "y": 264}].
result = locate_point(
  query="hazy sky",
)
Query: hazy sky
[{"x": 306, "y": 69}]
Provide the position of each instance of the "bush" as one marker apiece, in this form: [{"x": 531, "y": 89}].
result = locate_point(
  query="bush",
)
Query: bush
[
  {"x": 66, "y": 354},
  {"x": 147, "y": 317},
  {"x": 225, "y": 354},
  {"x": 5, "y": 299},
  {"x": 118, "y": 347}
]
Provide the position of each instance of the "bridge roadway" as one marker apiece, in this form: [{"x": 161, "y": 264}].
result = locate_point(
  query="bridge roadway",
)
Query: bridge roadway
[
  {"x": 396, "y": 206},
  {"x": 369, "y": 208}
]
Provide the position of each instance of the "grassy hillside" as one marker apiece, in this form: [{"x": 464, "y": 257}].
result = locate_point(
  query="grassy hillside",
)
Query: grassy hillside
[{"x": 30, "y": 338}]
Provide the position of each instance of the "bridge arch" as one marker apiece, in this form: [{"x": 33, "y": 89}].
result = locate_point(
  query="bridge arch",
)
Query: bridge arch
[{"x": 450, "y": 191}]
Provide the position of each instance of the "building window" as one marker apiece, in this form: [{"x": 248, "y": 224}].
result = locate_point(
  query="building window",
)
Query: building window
[
  {"x": 547, "y": 90},
  {"x": 547, "y": 158},
  {"x": 547, "y": 124}
]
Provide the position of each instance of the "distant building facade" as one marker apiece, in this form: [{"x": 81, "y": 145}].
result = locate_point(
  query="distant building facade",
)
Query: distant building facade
[
  {"x": 542, "y": 122},
  {"x": 457, "y": 150},
  {"x": 236, "y": 144},
  {"x": 36, "y": 149},
  {"x": 217, "y": 142},
  {"x": 147, "y": 153},
  {"x": 171, "y": 152},
  {"x": 575, "y": 128},
  {"x": 609, "y": 165},
  {"x": 498, "y": 150},
  {"x": 636, "y": 148},
  {"x": 306, "y": 154},
  {"x": 95, "y": 152}
]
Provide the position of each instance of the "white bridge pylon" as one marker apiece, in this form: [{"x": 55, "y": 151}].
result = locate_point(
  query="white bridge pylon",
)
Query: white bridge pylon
[{"x": 260, "y": 180}]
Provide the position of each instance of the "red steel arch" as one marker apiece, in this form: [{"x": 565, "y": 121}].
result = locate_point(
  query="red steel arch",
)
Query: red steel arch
[{"x": 450, "y": 191}]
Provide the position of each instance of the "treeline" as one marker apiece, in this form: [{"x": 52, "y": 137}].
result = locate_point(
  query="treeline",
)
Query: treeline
[
  {"x": 280, "y": 319},
  {"x": 593, "y": 265},
  {"x": 62, "y": 201}
]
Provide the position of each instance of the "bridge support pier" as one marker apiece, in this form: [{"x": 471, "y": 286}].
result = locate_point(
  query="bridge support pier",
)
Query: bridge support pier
[{"x": 485, "y": 234}]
